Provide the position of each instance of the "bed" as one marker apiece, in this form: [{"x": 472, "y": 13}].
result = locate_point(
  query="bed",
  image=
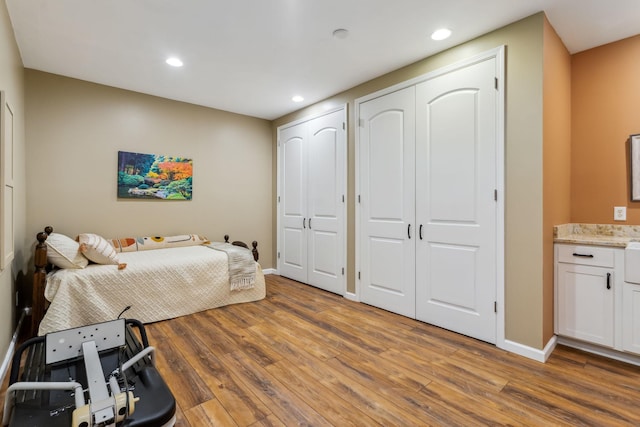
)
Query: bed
[{"x": 148, "y": 285}]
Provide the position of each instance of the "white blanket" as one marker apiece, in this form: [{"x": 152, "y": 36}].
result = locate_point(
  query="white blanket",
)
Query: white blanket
[
  {"x": 242, "y": 274},
  {"x": 158, "y": 284}
]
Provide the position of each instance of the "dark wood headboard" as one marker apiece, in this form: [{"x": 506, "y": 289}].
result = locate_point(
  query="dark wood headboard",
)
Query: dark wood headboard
[{"x": 39, "y": 303}]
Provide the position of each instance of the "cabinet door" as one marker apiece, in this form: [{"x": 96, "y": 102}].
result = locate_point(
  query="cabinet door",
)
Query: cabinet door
[
  {"x": 631, "y": 318},
  {"x": 585, "y": 303}
]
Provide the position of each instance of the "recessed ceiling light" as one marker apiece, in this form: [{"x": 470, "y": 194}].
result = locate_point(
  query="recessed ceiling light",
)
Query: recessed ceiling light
[
  {"x": 441, "y": 34},
  {"x": 297, "y": 98},
  {"x": 174, "y": 62},
  {"x": 341, "y": 33}
]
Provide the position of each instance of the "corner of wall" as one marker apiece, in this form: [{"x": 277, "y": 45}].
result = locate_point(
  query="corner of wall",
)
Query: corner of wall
[{"x": 556, "y": 159}]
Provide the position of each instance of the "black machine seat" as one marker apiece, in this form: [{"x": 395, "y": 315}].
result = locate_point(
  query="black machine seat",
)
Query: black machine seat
[{"x": 156, "y": 406}]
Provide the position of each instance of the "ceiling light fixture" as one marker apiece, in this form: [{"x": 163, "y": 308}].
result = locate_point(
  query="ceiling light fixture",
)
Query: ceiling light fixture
[
  {"x": 297, "y": 98},
  {"x": 441, "y": 34},
  {"x": 174, "y": 62}
]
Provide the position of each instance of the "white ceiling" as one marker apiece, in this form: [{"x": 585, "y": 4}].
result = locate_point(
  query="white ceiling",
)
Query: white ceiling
[{"x": 252, "y": 56}]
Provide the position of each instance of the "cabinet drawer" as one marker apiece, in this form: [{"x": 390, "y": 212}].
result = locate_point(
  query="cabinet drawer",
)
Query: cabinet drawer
[{"x": 586, "y": 255}]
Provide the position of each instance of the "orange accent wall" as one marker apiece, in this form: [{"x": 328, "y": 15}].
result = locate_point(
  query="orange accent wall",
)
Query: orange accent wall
[
  {"x": 556, "y": 160},
  {"x": 605, "y": 97}
]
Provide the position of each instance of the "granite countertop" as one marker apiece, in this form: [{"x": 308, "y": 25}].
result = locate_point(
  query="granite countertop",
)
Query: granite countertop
[{"x": 596, "y": 234}]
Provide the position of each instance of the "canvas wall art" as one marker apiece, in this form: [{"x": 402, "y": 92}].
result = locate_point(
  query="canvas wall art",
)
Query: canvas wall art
[{"x": 153, "y": 176}]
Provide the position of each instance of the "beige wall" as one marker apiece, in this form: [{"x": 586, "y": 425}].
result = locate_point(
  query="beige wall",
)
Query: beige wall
[
  {"x": 75, "y": 130},
  {"x": 12, "y": 82},
  {"x": 556, "y": 158},
  {"x": 605, "y": 92},
  {"x": 524, "y": 161}
]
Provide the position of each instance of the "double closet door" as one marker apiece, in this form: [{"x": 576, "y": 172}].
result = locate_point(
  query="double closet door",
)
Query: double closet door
[
  {"x": 427, "y": 189},
  {"x": 311, "y": 201}
]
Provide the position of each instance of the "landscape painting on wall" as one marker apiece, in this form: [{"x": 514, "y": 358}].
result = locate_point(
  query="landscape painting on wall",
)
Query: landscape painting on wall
[{"x": 152, "y": 176}]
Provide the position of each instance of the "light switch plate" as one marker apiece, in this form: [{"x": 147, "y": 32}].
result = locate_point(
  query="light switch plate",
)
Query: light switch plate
[{"x": 620, "y": 213}]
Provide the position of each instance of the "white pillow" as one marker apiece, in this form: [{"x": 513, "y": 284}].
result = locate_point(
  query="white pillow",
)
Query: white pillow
[
  {"x": 64, "y": 252},
  {"x": 98, "y": 249}
]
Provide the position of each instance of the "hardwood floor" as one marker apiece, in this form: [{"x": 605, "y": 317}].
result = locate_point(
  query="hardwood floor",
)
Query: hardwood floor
[{"x": 303, "y": 356}]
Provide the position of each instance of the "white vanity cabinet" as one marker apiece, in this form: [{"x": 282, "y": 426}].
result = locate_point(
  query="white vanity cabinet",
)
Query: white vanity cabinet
[
  {"x": 631, "y": 318},
  {"x": 631, "y": 299},
  {"x": 597, "y": 289},
  {"x": 586, "y": 286}
]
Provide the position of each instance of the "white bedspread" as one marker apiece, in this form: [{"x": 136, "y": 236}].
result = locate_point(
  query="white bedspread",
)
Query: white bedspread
[{"x": 158, "y": 284}]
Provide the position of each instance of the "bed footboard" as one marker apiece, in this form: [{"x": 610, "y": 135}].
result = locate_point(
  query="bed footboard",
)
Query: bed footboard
[{"x": 254, "y": 244}]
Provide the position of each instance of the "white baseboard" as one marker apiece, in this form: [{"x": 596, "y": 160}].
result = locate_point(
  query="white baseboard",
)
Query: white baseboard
[
  {"x": 530, "y": 352},
  {"x": 6, "y": 363},
  {"x": 270, "y": 271},
  {"x": 351, "y": 296},
  {"x": 601, "y": 351}
]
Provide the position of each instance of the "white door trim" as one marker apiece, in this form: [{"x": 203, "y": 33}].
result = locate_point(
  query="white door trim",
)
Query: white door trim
[
  {"x": 280, "y": 128},
  {"x": 499, "y": 54}
]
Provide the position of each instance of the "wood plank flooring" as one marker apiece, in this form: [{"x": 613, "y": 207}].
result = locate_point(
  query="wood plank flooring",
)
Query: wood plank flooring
[{"x": 303, "y": 356}]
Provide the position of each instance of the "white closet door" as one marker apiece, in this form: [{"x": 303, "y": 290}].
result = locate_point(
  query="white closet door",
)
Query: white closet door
[
  {"x": 456, "y": 210},
  {"x": 387, "y": 249},
  {"x": 325, "y": 186},
  {"x": 293, "y": 221},
  {"x": 312, "y": 169}
]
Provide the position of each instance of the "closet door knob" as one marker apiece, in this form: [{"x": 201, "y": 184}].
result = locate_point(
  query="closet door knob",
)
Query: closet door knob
[
  {"x": 608, "y": 280},
  {"x": 420, "y": 232},
  {"x": 304, "y": 222},
  {"x": 309, "y": 223},
  {"x": 409, "y": 231}
]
